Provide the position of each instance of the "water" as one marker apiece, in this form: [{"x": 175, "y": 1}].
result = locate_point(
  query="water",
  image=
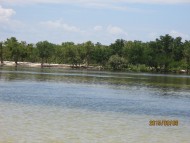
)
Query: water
[{"x": 73, "y": 106}]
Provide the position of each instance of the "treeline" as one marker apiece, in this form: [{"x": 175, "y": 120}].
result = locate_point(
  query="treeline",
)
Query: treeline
[{"x": 165, "y": 54}]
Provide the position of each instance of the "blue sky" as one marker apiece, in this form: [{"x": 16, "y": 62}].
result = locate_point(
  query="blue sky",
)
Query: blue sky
[{"x": 101, "y": 21}]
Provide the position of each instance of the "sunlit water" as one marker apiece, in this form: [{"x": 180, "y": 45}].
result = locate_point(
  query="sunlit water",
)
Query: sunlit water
[{"x": 69, "y": 106}]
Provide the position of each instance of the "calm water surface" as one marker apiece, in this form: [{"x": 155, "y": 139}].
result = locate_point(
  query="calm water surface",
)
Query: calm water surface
[{"x": 73, "y": 106}]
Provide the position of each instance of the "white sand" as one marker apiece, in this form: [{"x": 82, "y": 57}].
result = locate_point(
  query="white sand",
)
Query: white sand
[
  {"x": 38, "y": 65},
  {"x": 29, "y": 64}
]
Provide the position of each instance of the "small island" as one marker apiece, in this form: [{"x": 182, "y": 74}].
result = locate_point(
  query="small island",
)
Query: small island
[{"x": 165, "y": 54}]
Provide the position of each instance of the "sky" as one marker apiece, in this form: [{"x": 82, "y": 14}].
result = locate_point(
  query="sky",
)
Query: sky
[{"x": 101, "y": 21}]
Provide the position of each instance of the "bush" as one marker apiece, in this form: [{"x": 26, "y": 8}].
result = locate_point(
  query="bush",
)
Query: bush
[
  {"x": 138, "y": 68},
  {"x": 177, "y": 66},
  {"x": 117, "y": 63}
]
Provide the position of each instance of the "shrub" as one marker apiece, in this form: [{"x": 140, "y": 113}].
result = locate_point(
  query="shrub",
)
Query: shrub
[{"x": 117, "y": 63}]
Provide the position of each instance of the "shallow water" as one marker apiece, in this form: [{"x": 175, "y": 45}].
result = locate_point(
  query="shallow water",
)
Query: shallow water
[{"x": 72, "y": 106}]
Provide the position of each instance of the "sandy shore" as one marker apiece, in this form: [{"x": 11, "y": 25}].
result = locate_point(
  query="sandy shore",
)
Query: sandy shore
[
  {"x": 38, "y": 65},
  {"x": 35, "y": 65}
]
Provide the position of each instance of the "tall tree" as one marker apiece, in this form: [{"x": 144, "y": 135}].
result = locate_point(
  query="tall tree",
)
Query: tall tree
[
  {"x": 1, "y": 52},
  {"x": 187, "y": 54},
  {"x": 135, "y": 53},
  {"x": 165, "y": 48},
  {"x": 13, "y": 46},
  {"x": 23, "y": 50},
  {"x": 178, "y": 49},
  {"x": 32, "y": 53},
  {"x": 71, "y": 54},
  {"x": 117, "y": 47},
  {"x": 101, "y": 54},
  {"x": 152, "y": 54},
  {"x": 59, "y": 55},
  {"x": 45, "y": 50},
  {"x": 89, "y": 48},
  {"x": 81, "y": 54}
]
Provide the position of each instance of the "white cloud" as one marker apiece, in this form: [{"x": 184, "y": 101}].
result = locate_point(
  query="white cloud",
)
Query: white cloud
[
  {"x": 6, "y": 21},
  {"x": 61, "y": 25},
  {"x": 98, "y": 28},
  {"x": 114, "y": 30},
  {"x": 175, "y": 33},
  {"x": 5, "y": 14}
]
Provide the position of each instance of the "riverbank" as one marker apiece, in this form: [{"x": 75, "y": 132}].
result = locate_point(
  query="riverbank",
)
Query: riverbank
[{"x": 131, "y": 68}]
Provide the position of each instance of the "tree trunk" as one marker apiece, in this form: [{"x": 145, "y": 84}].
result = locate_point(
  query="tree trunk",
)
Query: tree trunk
[
  {"x": 188, "y": 65},
  {"x": 16, "y": 60},
  {"x": 42, "y": 63},
  {"x": 16, "y": 63}
]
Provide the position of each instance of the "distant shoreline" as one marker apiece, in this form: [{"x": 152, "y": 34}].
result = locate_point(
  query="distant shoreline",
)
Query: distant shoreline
[{"x": 68, "y": 66}]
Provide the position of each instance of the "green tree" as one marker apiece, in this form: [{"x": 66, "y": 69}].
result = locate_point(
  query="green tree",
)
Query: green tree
[
  {"x": 32, "y": 53},
  {"x": 71, "y": 54},
  {"x": 13, "y": 46},
  {"x": 89, "y": 49},
  {"x": 45, "y": 50},
  {"x": 178, "y": 49},
  {"x": 117, "y": 47},
  {"x": 81, "y": 54},
  {"x": 152, "y": 56},
  {"x": 23, "y": 51},
  {"x": 1, "y": 52},
  {"x": 186, "y": 53},
  {"x": 135, "y": 53},
  {"x": 59, "y": 54},
  {"x": 165, "y": 47},
  {"x": 101, "y": 54}
]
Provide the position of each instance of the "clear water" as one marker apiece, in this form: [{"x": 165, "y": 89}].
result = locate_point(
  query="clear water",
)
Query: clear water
[{"x": 73, "y": 106}]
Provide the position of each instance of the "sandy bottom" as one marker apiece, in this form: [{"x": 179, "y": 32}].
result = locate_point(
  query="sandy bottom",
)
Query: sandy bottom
[{"x": 45, "y": 124}]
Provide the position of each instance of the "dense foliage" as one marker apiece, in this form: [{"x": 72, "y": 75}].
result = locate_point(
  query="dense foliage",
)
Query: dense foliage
[{"x": 165, "y": 54}]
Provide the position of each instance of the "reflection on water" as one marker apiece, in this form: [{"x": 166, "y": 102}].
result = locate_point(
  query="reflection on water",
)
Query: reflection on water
[
  {"x": 56, "y": 105},
  {"x": 138, "y": 79}
]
